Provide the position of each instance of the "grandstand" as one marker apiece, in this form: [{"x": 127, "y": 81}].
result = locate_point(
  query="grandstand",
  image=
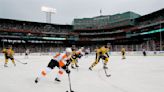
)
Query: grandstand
[
  {"x": 38, "y": 37},
  {"x": 129, "y": 30}
]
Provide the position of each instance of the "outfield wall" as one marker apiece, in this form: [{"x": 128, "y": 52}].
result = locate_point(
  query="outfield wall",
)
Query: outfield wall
[
  {"x": 128, "y": 53},
  {"x": 138, "y": 53}
]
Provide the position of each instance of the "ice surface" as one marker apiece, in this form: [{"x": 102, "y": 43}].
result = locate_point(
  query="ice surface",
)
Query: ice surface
[{"x": 134, "y": 74}]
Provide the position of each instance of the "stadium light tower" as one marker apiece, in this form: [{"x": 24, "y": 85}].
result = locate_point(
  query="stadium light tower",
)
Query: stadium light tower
[
  {"x": 48, "y": 11},
  {"x": 161, "y": 48}
]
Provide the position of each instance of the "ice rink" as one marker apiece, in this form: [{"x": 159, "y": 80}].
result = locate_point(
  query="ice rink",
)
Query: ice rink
[{"x": 134, "y": 74}]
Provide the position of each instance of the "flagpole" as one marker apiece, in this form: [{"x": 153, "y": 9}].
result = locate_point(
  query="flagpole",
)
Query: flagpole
[{"x": 100, "y": 12}]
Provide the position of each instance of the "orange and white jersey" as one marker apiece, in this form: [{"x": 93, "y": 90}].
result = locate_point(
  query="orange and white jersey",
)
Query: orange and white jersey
[{"x": 61, "y": 58}]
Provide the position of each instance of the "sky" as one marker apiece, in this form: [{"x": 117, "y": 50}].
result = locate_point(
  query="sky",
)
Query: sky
[{"x": 67, "y": 10}]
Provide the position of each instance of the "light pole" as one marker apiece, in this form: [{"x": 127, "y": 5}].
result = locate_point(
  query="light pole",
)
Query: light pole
[
  {"x": 160, "y": 37},
  {"x": 48, "y": 11}
]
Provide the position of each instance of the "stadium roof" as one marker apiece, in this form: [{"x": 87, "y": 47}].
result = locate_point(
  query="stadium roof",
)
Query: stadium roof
[
  {"x": 151, "y": 15},
  {"x": 35, "y": 22}
]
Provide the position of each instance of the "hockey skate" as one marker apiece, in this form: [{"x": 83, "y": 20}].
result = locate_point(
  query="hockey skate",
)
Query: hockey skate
[
  {"x": 73, "y": 67},
  {"x": 5, "y": 65},
  {"x": 90, "y": 68},
  {"x": 56, "y": 79}
]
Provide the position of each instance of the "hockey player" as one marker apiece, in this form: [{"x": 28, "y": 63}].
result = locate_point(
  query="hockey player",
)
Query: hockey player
[
  {"x": 8, "y": 53},
  {"x": 73, "y": 47},
  {"x": 73, "y": 60},
  {"x": 87, "y": 51},
  {"x": 144, "y": 52},
  {"x": 123, "y": 53},
  {"x": 60, "y": 60},
  {"x": 27, "y": 52},
  {"x": 75, "y": 56},
  {"x": 101, "y": 53}
]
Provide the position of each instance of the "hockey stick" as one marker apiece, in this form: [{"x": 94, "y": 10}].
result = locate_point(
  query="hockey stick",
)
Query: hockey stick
[
  {"x": 107, "y": 75},
  {"x": 20, "y": 61},
  {"x": 105, "y": 70},
  {"x": 69, "y": 83},
  {"x": 76, "y": 66}
]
